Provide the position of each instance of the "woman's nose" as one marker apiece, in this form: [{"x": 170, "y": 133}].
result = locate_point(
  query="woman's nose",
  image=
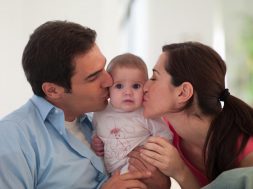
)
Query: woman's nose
[{"x": 145, "y": 87}]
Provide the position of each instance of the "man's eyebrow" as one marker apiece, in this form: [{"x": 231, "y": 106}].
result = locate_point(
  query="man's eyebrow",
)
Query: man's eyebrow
[
  {"x": 155, "y": 71},
  {"x": 93, "y": 74}
]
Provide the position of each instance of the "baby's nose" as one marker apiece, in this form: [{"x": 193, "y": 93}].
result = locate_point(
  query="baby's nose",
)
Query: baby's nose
[{"x": 128, "y": 91}]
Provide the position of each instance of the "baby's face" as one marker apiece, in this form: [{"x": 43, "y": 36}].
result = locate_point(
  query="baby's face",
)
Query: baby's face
[{"x": 126, "y": 92}]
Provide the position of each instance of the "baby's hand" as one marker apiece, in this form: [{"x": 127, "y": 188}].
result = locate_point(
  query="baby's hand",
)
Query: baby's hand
[{"x": 97, "y": 145}]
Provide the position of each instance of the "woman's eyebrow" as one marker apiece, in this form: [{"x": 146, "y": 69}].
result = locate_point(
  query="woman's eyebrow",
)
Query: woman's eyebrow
[{"x": 155, "y": 71}]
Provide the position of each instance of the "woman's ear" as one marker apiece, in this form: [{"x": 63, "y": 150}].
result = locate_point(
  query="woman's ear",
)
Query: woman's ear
[
  {"x": 52, "y": 90},
  {"x": 185, "y": 92}
]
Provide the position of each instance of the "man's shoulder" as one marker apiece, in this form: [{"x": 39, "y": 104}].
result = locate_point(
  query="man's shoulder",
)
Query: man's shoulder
[{"x": 20, "y": 115}]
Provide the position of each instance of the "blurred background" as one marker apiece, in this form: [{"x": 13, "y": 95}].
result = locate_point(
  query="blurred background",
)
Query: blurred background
[{"x": 138, "y": 26}]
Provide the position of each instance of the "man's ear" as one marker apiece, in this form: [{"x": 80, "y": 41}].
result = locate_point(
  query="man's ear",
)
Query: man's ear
[
  {"x": 52, "y": 90},
  {"x": 185, "y": 92}
]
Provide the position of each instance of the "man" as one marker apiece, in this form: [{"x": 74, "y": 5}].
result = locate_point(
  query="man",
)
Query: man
[{"x": 46, "y": 142}]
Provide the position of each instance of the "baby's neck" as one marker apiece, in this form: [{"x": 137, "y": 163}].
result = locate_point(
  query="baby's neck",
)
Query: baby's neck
[{"x": 121, "y": 110}]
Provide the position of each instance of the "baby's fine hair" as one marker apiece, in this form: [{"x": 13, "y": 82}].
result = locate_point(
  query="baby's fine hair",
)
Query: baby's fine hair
[{"x": 127, "y": 60}]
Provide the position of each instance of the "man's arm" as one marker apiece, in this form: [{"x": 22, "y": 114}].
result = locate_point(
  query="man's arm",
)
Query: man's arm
[
  {"x": 15, "y": 172},
  {"x": 127, "y": 180}
]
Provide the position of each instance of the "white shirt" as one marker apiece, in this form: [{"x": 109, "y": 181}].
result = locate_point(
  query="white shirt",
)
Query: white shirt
[
  {"x": 74, "y": 128},
  {"x": 121, "y": 132}
]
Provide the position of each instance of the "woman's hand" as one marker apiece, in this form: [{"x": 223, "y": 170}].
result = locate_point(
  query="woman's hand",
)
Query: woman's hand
[
  {"x": 127, "y": 180},
  {"x": 163, "y": 155},
  {"x": 157, "y": 180},
  {"x": 97, "y": 145}
]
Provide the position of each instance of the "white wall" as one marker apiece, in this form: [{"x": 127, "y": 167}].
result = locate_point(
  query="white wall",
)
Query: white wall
[
  {"x": 152, "y": 24},
  {"x": 18, "y": 19},
  {"x": 170, "y": 21}
]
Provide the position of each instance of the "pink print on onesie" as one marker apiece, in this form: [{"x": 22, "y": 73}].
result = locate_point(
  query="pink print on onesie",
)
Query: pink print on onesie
[{"x": 119, "y": 148}]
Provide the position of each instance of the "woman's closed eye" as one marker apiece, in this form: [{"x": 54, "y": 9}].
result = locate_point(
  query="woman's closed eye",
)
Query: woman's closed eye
[{"x": 152, "y": 78}]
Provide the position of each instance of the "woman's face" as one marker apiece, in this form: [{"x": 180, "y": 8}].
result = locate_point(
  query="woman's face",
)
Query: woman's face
[{"x": 159, "y": 93}]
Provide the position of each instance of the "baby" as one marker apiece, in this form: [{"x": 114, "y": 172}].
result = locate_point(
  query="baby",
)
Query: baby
[{"x": 121, "y": 126}]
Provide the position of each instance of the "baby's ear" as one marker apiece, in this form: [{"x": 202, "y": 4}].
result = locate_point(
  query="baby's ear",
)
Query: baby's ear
[{"x": 52, "y": 90}]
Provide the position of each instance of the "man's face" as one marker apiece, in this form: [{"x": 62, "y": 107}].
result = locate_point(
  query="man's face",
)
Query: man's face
[{"x": 89, "y": 85}]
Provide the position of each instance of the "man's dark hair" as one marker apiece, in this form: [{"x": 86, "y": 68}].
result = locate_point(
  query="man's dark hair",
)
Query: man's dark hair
[{"x": 49, "y": 53}]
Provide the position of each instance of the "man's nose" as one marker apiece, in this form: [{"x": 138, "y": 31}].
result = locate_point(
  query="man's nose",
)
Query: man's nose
[{"x": 107, "y": 80}]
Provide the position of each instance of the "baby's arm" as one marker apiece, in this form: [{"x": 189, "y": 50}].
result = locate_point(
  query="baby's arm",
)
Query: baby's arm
[
  {"x": 159, "y": 128},
  {"x": 96, "y": 143}
]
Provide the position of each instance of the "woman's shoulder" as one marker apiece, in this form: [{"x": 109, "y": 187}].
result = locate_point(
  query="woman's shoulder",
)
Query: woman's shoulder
[{"x": 246, "y": 156}]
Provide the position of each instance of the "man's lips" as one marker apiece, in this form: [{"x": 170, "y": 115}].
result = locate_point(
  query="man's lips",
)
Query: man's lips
[{"x": 106, "y": 96}]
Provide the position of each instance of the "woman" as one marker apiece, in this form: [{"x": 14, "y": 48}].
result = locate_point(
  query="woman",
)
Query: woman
[{"x": 187, "y": 87}]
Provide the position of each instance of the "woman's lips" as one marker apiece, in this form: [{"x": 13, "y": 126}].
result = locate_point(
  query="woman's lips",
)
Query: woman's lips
[{"x": 144, "y": 99}]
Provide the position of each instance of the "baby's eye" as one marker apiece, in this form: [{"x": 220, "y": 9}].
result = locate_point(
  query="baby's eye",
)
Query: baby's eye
[
  {"x": 119, "y": 86},
  {"x": 136, "y": 86}
]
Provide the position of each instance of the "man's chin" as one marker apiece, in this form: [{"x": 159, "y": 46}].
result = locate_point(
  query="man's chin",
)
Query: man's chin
[{"x": 102, "y": 106}]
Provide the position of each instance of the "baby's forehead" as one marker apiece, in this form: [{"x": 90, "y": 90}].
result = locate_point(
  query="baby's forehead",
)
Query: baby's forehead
[
  {"x": 129, "y": 81},
  {"x": 128, "y": 70},
  {"x": 127, "y": 67}
]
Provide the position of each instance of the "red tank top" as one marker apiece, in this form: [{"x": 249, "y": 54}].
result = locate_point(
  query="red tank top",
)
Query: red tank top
[{"x": 201, "y": 177}]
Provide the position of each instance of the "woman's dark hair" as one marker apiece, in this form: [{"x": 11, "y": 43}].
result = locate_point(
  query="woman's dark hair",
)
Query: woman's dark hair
[
  {"x": 232, "y": 125},
  {"x": 49, "y": 53}
]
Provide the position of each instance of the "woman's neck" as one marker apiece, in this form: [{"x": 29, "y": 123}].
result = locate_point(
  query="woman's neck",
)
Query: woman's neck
[
  {"x": 191, "y": 128},
  {"x": 193, "y": 131}
]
